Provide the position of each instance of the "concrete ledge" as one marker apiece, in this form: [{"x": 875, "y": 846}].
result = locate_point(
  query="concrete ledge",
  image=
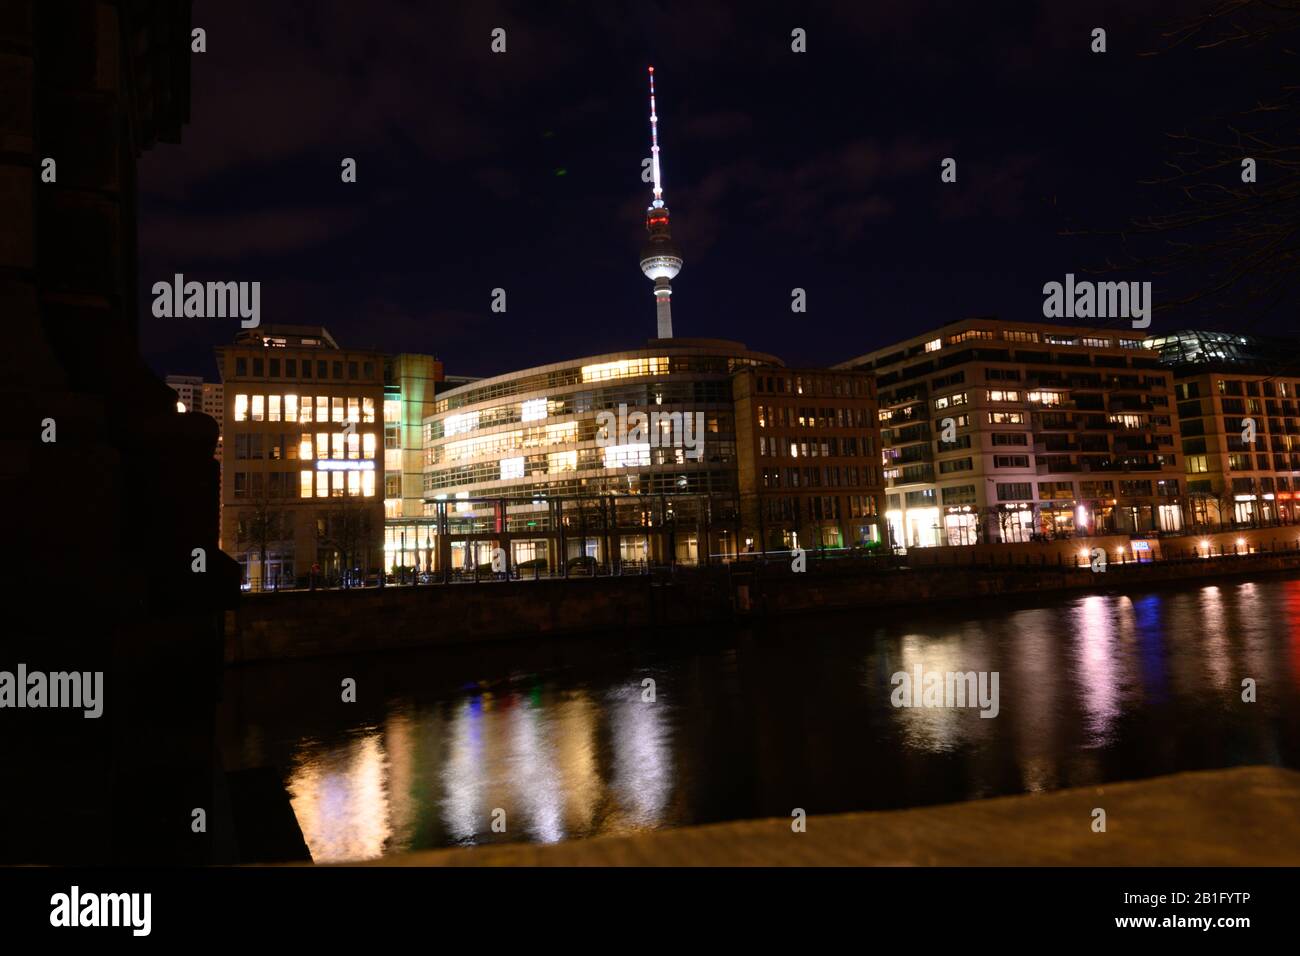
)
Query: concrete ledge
[{"x": 1247, "y": 816}]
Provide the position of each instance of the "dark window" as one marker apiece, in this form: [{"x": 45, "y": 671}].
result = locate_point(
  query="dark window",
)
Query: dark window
[
  {"x": 322, "y": 369},
  {"x": 1015, "y": 490},
  {"x": 275, "y": 368},
  {"x": 290, "y": 368},
  {"x": 352, "y": 370},
  {"x": 257, "y": 368},
  {"x": 241, "y": 366}
]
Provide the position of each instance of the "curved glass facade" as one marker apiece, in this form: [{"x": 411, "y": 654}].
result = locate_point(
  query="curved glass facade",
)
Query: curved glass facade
[
  {"x": 618, "y": 458},
  {"x": 572, "y": 428}
]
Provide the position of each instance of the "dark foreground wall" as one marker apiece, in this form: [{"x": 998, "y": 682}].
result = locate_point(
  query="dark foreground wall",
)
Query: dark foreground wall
[
  {"x": 306, "y": 623},
  {"x": 108, "y": 490}
]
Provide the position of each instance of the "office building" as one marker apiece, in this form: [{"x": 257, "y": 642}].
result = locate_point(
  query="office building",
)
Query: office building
[
  {"x": 301, "y": 478},
  {"x": 501, "y": 453},
  {"x": 808, "y": 448}
]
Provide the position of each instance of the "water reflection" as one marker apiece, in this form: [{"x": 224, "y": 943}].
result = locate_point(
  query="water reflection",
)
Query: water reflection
[
  {"x": 1102, "y": 687},
  {"x": 339, "y": 795}
]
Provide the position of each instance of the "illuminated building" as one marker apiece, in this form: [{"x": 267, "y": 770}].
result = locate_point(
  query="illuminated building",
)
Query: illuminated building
[
  {"x": 661, "y": 260},
  {"x": 501, "y": 453},
  {"x": 808, "y": 442},
  {"x": 302, "y": 469},
  {"x": 995, "y": 431},
  {"x": 410, "y": 384},
  {"x": 195, "y": 395},
  {"x": 1225, "y": 383}
]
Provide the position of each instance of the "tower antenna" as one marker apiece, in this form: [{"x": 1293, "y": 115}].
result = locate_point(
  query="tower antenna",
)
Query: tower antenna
[
  {"x": 654, "y": 142},
  {"x": 660, "y": 258}
]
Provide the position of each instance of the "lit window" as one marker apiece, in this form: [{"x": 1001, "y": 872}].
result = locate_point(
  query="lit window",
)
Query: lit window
[
  {"x": 336, "y": 445},
  {"x": 392, "y": 410},
  {"x": 512, "y": 468},
  {"x": 354, "y": 445},
  {"x": 304, "y": 490},
  {"x": 625, "y": 368},
  {"x": 274, "y": 408},
  {"x": 322, "y": 484},
  {"x": 241, "y": 408},
  {"x": 336, "y": 484},
  {"x": 336, "y": 409},
  {"x": 367, "y": 409},
  {"x": 304, "y": 447},
  {"x": 368, "y": 484},
  {"x": 934, "y": 345},
  {"x": 562, "y": 461},
  {"x": 354, "y": 483},
  {"x": 1127, "y": 421},
  {"x": 291, "y": 408},
  {"x": 532, "y": 410},
  {"x": 456, "y": 424},
  {"x": 258, "y": 403},
  {"x": 622, "y": 456},
  {"x": 354, "y": 409},
  {"x": 369, "y": 445}
]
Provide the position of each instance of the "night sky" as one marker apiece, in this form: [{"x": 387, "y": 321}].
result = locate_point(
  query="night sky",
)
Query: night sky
[{"x": 522, "y": 170}]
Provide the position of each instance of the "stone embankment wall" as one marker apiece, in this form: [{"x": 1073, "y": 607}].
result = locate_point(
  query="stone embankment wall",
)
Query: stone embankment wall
[{"x": 313, "y": 623}]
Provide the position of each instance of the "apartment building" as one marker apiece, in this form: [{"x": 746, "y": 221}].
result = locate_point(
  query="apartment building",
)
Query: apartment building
[
  {"x": 808, "y": 458},
  {"x": 1003, "y": 431},
  {"x": 1238, "y": 406}
]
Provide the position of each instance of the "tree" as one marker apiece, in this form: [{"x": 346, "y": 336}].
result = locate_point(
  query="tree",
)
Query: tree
[
  {"x": 262, "y": 526},
  {"x": 347, "y": 529},
  {"x": 1235, "y": 242}
]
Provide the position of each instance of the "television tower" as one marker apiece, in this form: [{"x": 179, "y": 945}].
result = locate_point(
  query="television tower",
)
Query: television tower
[{"x": 661, "y": 260}]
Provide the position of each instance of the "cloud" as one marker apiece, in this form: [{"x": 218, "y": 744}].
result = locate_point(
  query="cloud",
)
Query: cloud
[
  {"x": 173, "y": 238},
  {"x": 831, "y": 197}
]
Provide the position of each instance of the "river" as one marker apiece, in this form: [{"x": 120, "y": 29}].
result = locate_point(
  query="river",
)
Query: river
[{"x": 557, "y": 740}]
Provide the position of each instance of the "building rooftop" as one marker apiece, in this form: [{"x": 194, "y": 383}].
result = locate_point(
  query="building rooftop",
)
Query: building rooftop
[
  {"x": 293, "y": 336},
  {"x": 1193, "y": 348}
]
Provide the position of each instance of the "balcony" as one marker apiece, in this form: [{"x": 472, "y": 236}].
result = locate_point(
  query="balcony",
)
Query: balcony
[
  {"x": 1135, "y": 443},
  {"x": 1046, "y": 422},
  {"x": 1057, "y": 466},
  {"x": 1056, "y": 448},
  {"x": 1118, "y": 403}
]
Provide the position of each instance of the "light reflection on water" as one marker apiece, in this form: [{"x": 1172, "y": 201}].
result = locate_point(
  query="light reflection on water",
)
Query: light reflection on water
[{"x": 1102, "y": 687}]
